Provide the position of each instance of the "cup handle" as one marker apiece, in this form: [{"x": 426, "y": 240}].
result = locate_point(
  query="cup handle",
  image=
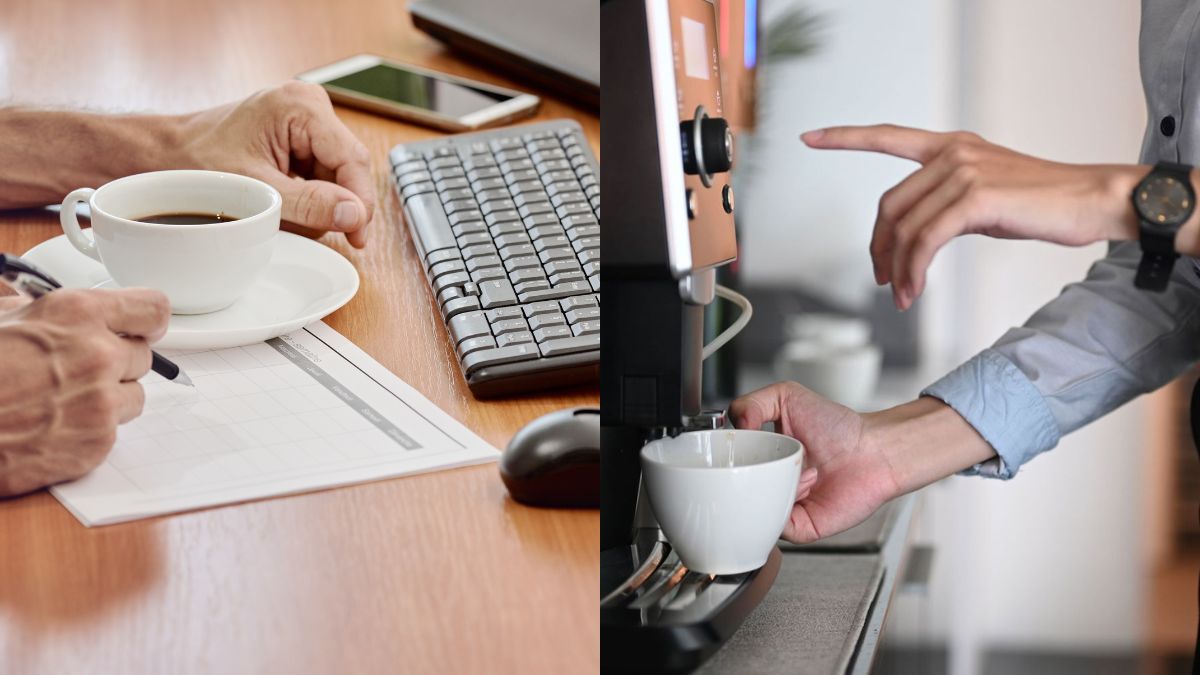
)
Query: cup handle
[{"x": 70, "y": 223}]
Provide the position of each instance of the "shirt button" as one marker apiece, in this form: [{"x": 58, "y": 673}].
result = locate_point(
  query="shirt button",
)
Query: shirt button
[{"x": 1167, "y": 126}]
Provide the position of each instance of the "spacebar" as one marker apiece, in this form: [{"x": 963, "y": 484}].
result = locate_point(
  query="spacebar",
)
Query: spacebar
[{"x": 426, "y": 216}]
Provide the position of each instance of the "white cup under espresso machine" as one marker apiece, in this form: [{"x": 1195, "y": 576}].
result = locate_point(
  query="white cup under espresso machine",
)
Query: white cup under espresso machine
[{"x": 668, "y": 225}]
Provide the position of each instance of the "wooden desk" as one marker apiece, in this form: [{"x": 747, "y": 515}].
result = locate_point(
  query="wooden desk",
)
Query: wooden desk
[{"x": 435, "y": 573}]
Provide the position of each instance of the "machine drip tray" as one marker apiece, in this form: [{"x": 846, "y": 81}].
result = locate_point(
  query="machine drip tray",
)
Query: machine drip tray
[{"x": 656, "y": 615}]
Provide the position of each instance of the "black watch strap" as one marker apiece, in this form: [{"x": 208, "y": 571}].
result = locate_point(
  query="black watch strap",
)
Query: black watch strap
[{"x": 1158, "y": 248}]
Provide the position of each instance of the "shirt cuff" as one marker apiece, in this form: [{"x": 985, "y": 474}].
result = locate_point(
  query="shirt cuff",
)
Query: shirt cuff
[{"x": 996, "y": 398}]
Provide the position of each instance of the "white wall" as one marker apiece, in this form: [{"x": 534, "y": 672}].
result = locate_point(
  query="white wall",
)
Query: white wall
[{"x": 1051, "y": 559}]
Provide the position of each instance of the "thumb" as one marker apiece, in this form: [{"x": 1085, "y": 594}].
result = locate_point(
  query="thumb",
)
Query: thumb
[{"x": 320, "y": 205}]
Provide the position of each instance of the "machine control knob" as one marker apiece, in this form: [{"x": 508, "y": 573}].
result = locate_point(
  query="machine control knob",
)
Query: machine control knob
[
  {"x": 727, "y": 198},
  {"x": 707, "y": 144},
  {"x": 691, "y": 204}
]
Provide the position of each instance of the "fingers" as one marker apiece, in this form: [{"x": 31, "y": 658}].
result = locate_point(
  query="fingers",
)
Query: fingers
[
  {"x": 320, "y": 205},
  {"x": 800, "y": 528},
  {"x": 135, "y": 312},
  {"x": 130, "y": 400},
  {"x": 895, "y": 205},
  {"x": 808, "y": 478},
  {"x": 336, "y": 148},
  {"x": 138, "y": 358},
  {"x": 915, "y": 144},
  {"x": 915, "y": 227},
  {"x": 758, "y": 407}
]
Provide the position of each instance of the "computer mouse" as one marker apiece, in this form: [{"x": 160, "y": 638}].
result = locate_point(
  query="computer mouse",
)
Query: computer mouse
[{"x": 555, "y": 460}]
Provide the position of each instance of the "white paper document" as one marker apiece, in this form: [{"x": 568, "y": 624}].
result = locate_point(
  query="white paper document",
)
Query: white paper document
[{"x": 305, "y": 411}]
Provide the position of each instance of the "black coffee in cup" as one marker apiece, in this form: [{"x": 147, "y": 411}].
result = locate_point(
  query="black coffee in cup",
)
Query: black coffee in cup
[{"x": 187, "y": 218}]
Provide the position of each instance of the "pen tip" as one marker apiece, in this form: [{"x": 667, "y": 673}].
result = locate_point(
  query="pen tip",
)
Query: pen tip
[{"x": 182, "y": 378}]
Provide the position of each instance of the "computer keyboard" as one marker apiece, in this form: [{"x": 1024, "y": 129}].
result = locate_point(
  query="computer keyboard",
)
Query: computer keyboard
[{"x": 507, "y": 224}]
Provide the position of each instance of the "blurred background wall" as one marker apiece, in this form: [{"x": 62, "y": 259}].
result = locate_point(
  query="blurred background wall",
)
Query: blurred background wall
[{"x": 1064, "y": 558}]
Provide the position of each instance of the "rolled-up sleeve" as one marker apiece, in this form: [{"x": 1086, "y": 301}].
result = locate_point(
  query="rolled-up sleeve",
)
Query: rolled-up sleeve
[{"x": 1099, "y": 344}]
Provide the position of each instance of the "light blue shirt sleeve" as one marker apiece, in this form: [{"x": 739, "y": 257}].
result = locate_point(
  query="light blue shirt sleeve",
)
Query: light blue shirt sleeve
[{"x": 1099, "y": 344}]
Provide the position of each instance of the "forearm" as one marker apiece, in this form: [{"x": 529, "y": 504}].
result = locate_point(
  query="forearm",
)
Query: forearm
[
  {"x": 48, "y": 153},
  {"x": 923, "y": 441}
]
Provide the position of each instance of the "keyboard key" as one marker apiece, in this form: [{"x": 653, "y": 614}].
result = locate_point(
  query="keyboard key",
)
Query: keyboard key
[
  {"x": 522, "y": 175},
  {"x": 474, "y": 239},
  {"x": 551, "y": 332},
  {"x": 492, "y": 357},
  {"x": 544, "y": 320},
  {"x": 564, "y": 176},
  {"x": 506, "y": 227},
  {"x": 533, "y": 208},
  {"x": 515, "y": 250},
  {"x": 469, "y": 325},
  {"x": 460, "y": 205},
  {"x": 543, "y": 231},
  {"x": 497, "y": 293},
  {"x": 595, "y": 282},
  {"x": 543, "y": 156},
  {"x": 482, "y": 172},
  {"x": 478, "y": 250},
  {"x": 502, "y": 144},
  {"x": 586, "y": 328},
  {"x": 514, "y": 338},
  {"x": 570, "y": 345},
  {"x": 584, "y": 243},
  {"x": 426, "y": 217},
  {"x": 448, "y": 294},
  {"x": 408, "y": 167},
  {"x": 502, "y": 313},
  {"x": 509, "y": 326},
  {"x": 416, "y": 189},
  {"x": 452, "y": 184},
  {"x": 488, "y": 184},
  {"x": 568, "y": 265},
  {"x": 589, "y": 256},
  {"x": 527, "y": 186},
  {"x": 568, "y": 197},
  {"x": 559, "y": 253},
  {"x": 551, "y": 242},
  {"x": 528, "y": 274},
  {"x": 560, "y": 291},
  {"x": 442, "y": 151},
  {"x": 535, "y": 308},
  {"x": 511, "y": 239},
  {"x": 444, "y": 162},
  {"x": 504, "y": 216},
  {"x": 583, "y": 231},
  {"x": 542, "y": 144},
  {"x": 532, "y": 285},
  {"x": 530, "y": 197},
  {"x": 522, "y": 262},
  {"x": 468, "y": 227},
  {"x": 475, "y": 344},
  {"x": 582, "y": 314},
  {"x": 477, "y": 162},
  {"x": 441, "y": 256},
  {"x": 452, "y": 279},
  {"x": 564, "y": 187},
  {"x": 453, "y": 308},
  {"x": 483, "y": 261},
  {"x": 414, "y": 177},
  {"x": 463, "y": 216},
  {"x": 553, "y": 165},
  {"x": 516, "y": 152},
  {"x": 450, "y": 172},
  {"x": 498, "y": 206},
  {"x": 538, "y": 219},
  {"x": 535, "y": 135},
  {"x": 487, "y": 274},
  {"x": 569, "y": 304},
  {"x": 446, "y": 267},
  {"x": 591, "y": 269},
  {"x": 559, "y": 278},
  {"x": 451, "y": 194},
  {"x": 576, "y": 208},
  {"x": 494, "y": 193},
  {"x": 511, "y": 166}
]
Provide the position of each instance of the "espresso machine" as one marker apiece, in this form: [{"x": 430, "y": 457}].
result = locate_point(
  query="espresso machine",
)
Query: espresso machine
[{"x": 668, "y": 226}]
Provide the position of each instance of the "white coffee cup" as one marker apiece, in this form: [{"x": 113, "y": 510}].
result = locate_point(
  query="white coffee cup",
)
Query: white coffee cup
[
  {"x": 201, "y": 268},
  {"x": 722, "y": 497}
]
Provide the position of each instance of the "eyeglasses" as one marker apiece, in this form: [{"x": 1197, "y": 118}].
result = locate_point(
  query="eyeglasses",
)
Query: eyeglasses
[{"x": 25, "y": 278}]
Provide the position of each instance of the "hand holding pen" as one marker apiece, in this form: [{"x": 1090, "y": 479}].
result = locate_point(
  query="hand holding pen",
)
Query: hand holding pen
[{"x": 29, "y": 281}]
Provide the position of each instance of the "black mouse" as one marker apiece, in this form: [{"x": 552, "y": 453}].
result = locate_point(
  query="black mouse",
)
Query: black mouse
[{"x": 555, "y": 460}]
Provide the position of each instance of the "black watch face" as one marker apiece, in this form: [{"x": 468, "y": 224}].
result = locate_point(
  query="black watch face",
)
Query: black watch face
[{"x": 1163, "y": 200}]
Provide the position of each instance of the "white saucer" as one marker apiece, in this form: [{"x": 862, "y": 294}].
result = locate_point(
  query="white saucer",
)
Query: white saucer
[{"x": 305, "y": 281}]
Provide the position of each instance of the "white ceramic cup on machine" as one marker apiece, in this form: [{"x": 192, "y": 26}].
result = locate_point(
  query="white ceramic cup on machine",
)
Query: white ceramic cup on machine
[
  {"x": 722, "y": 497},
  {"x": 200, "y": 267}
]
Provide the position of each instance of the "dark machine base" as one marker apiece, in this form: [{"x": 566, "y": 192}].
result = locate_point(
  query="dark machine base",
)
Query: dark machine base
[{"x": 656, "y": 616}]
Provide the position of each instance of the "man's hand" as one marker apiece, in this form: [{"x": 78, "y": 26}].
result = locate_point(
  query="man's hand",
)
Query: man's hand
[
  {"x": 967, "y": 185},
  {"x": 70, "y": 369},
  {"x": 290, "y": 138},
  {"x": 856, "y": 462}
]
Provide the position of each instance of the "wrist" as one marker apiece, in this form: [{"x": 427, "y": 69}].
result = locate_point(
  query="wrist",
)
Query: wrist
[
  {"x": 1187, "y": 239},
  {"x": 923, "y": 441},
  {"x": 1118, "y": 193}
]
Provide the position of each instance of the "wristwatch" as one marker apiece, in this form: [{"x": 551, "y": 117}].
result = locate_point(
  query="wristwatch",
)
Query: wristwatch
[{"x": 1163, "y": 201}]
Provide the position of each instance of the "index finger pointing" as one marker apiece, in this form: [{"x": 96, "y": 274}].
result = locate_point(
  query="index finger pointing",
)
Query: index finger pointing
[{"x": 915, "y": 144}]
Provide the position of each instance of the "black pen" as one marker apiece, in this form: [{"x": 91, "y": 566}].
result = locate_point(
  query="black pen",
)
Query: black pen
[{"x": 30, "y": 281}]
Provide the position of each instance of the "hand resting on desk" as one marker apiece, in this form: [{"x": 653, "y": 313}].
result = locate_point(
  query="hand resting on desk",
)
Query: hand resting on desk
[
  {"x": 287, "y": 136},
  {"x": 70, "y": 365}
]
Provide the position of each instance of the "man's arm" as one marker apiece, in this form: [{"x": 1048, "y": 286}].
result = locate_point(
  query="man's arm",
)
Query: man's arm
[
  {"x": 288, "y": 137},
  {"x": 48, "y": 153}
]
